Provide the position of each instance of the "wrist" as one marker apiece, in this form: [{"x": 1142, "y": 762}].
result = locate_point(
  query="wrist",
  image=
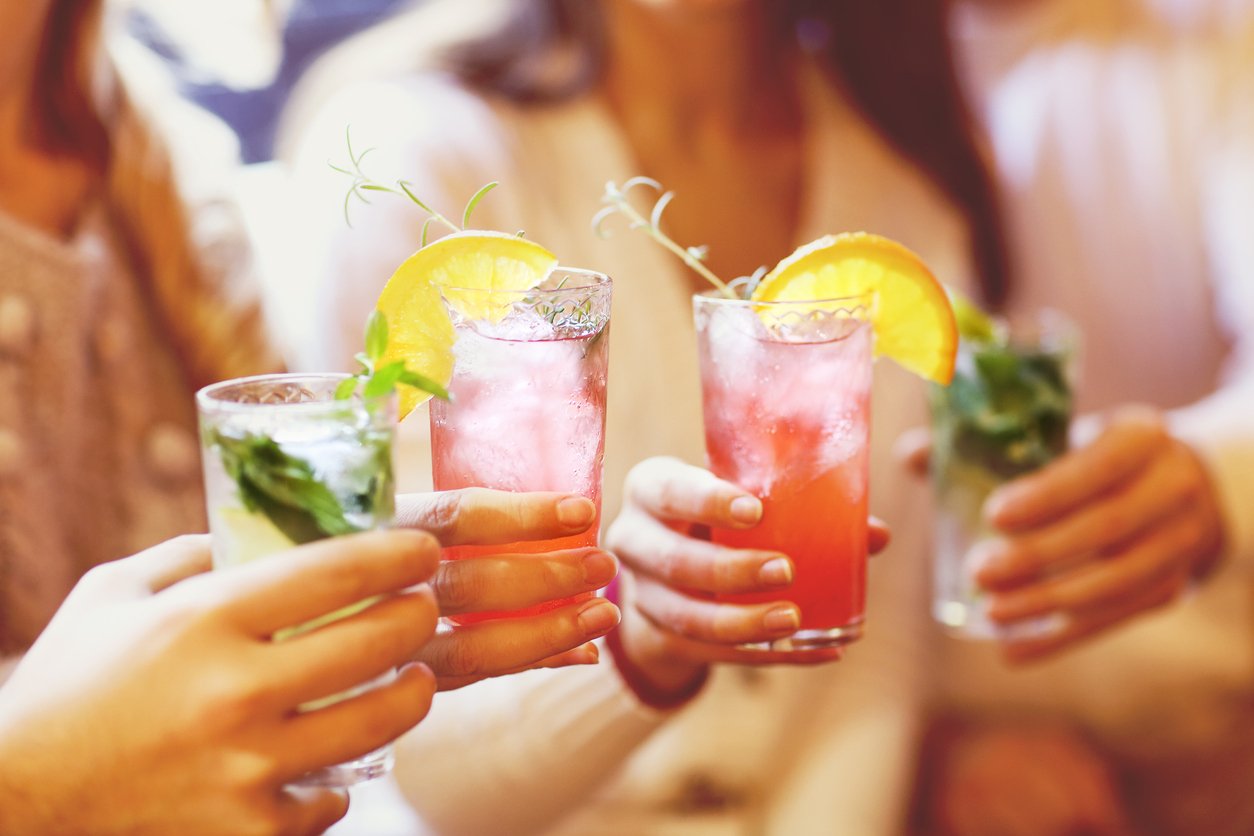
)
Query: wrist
[{"x": 658, "y": 679}]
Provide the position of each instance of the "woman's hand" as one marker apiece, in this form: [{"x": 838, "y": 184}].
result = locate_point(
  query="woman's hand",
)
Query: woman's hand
[
  {"x": 1111, "y": 530},
  {"x": 462, "y": 654},
  {"x": 670, "y": 632},
  {"x": 1039, "y": 781},
  {"x": 156, "y": 702}
]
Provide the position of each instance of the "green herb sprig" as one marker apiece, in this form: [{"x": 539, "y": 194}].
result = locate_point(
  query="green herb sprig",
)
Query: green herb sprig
[
  {"x": 1007, "y": 410},
  {"x": 378, "y": 380},
  {"x": 616, "y": 201},
  {"x": 282, "y": 487},
  {"x": 363, "y": 183}
]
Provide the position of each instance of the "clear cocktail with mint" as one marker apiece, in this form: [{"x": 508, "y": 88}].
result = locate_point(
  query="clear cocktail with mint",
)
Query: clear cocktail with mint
[
  {"x": 287, "y": 463},
  {"x": 1006, "y": 413}
]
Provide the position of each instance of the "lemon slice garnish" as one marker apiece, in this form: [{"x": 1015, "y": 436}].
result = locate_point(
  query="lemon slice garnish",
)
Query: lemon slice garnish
[{"x": 910, "y": 311}]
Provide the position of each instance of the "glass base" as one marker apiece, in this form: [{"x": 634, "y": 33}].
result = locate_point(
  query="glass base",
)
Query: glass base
[
  {"x": 803, "y": 640},
  {"x": 374, "y": 765},
  {"x": 967, "y": 620}
]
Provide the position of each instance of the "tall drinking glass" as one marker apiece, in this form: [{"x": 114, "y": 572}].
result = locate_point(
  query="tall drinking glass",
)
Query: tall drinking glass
[
  {"x": 286, "y": 463},
  {"x": 527, "y": 405},
  {"x": 1005, "y": 414},
  {"x": 786, "y": 391}
]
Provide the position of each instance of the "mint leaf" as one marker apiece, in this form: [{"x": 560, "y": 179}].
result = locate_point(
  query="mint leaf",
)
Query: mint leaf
[
  {"x": 384, "y": 379},
  {"x": 424, "y": 383},
  {"x": 346, "y": 389},
  {"x": 376, "y": 335},
  {"x": 282, "y": 487},
  {"x": 1008, "y": 412},
  {"x": 973, "y": 324}
]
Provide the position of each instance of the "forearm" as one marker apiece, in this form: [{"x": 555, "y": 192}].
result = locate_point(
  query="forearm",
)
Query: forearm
[{"x": 554, "y": 737}]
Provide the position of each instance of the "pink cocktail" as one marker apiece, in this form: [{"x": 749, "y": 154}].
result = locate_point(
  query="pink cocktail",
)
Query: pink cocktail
[
  {"x": 527, "y": 411},
  {"x": 786, "y": 390}
]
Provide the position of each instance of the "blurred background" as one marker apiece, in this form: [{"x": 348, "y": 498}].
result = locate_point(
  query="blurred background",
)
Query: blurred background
[{"x": 240, "y": 59}]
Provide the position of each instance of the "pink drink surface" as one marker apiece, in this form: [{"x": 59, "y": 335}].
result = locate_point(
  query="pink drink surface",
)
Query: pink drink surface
[
  {"x": 789, "y": 422},
  {"x": 524, "y": 416}
]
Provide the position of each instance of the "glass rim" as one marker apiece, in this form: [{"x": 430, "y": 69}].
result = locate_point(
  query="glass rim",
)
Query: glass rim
[
  {"x": 596, "y": 281},
  {"x": 1041, "y": 329},
  {"x": 209, "y": 400},
  {"x": 851, "y": 304}
]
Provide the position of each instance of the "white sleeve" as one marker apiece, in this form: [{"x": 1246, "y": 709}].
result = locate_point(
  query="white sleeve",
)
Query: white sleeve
[
  {"x": 1221, "y": 426},
  {"x": 524, "y": 749}
]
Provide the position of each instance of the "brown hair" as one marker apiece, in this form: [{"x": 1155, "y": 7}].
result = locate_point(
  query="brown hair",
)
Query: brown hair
[
  {"x": 191, "y": 260},
  {"x": 66, "y": 120},
  {"x": 892, "y": 56}
]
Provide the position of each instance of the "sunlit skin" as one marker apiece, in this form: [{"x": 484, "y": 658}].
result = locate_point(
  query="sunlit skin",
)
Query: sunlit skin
[{"x": 709, "y": 103}]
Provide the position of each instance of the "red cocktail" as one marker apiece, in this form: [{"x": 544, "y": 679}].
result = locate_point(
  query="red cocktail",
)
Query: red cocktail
[
  {"x": 527, "y": 411},
  {"x": 786, "y": 389}
]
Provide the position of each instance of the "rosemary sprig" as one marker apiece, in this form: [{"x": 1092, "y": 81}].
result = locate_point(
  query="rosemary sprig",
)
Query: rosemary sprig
[
  {"x": 617, "y": 202},
  {"x": 363, "y": 182},
  {"x": 378, "y": 380}
]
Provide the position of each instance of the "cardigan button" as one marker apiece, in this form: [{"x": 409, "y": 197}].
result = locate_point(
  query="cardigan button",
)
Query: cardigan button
[
  {"x": 17, "y": 325},
  {"x": 171, "y": 453},
  {"x": 12, "y": 453}
]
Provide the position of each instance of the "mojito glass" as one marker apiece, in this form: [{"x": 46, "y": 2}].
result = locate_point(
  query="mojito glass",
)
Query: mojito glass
[
  {"x": 527, "y": 400},
  {"x": 1006, "y": 413},
  {"x": 285, "y": 464},
  {"x": 786, "y": 390}
]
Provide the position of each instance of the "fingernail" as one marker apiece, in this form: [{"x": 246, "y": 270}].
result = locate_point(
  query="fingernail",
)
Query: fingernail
[
  {"x": 1000, "y": 502},
  {"x": 597, "y": 617},
  {"x": 592, "y": 652},
  {"x": 1040, "y": 628},
  {"x": 746, "y": 510},
  {"x": 782, "y": 619},
  {"x": 1015, "y": 606},
  {"x": 599, "y": 569},
  {"x": 776, "y": 572},
  {"x": 576, "y": 512},
  {"x": 984, "y": 556}
]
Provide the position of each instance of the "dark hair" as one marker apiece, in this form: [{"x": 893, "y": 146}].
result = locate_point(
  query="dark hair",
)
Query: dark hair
[
  {"x": 892, "y": 56},
  {"x": 66, "y": 121}
]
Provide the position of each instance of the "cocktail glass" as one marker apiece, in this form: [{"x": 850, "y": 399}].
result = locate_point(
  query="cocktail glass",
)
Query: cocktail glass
[
  {"x": 527, "y": 406},
  {"x": 285, "y": 464},
  {"x": 786, "y": 391},
  {"x": 1006, "y": 413}
]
